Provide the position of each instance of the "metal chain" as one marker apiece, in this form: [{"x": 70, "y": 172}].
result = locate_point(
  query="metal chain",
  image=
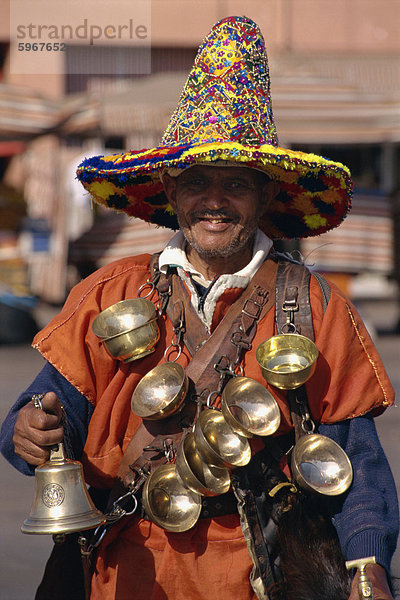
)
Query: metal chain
[
  {"x": 114, "y": 515},
  {"x": 307, "y": 424},
  {"x": 167, "y": 449},
  {"x": 228, "y": 368},
  {"x": 163, "y": 300},
  {"x": 176, "y": 342},
  {"x": 210, "y": 402},
  {"x": 290, "y": 306},
  {"x": 241, "y": 344},
  {"x": 289, "y": 327}
]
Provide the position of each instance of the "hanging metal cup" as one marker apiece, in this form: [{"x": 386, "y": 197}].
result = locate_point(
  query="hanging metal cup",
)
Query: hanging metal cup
[
  {"x": 128, "y": 329},
  {"x": 168, "y": 502},
  {"x": 161, "y": 392},
  {"x": 217, "y": 443},
  {"x": 249, "y": 408},
  {"x": 320, "y": 465},
  {"x": 287, "y": 360},
  {"x": 196, "y": 474}
]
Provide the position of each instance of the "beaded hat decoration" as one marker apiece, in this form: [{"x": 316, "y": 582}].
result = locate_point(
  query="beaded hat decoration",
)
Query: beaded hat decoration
[{"x": 225, "y": 113}]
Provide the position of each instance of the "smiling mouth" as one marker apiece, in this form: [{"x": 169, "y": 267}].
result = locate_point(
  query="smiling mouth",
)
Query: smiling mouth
[{"x": 216, "y": 220}]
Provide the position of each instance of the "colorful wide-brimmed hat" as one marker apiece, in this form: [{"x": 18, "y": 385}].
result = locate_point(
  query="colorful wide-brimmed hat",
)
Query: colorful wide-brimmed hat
[{"x": 225, "y": 113}]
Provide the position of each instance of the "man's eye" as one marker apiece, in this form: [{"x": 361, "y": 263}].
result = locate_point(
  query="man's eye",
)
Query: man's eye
[
  {"x": 236, "y": 185},
  {"x": 196, "y": 182}
]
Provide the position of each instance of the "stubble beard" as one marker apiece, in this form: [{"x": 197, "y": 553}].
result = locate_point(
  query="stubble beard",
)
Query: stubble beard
[{"x": 243, "y": 239}]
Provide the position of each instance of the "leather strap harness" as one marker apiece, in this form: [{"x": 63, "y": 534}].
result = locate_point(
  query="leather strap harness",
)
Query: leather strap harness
[{"x": 206, "y": 370}]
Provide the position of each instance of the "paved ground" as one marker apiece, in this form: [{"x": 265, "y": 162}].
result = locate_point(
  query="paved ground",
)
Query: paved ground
[{"x": 22, "y": 557}]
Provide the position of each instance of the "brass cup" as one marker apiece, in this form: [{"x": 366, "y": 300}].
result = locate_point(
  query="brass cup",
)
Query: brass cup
[
  {"x": 287, "y": 360},
  {"x": 320, "y": 465},
  {"x": 196, "y": 474},
  {"x": 249, "y": 408},
  {"x": 123, "y": 316},
  {"x": 168, "y": 502},
  {"x": 161, "y": 392},
  {"x": 128, "y": 329},
  {"x": 217, "y": 443}
]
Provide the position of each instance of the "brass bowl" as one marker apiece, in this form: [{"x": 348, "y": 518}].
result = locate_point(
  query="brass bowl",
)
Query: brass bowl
[
  {"x": 249, "y": 408},
  {"x": 287, "y": 360},
  {"x": 134, "y": 344},
  {"x": 196, "y": 474},
  {"x": 123, "y": 316},
  {"x": 128, "y": 329},
  {"x": 320, "y": 465},
  {"x": 161, "y": 392},
  {"x": 217, "y": 443},
  {"x": 168, "y": 502}
]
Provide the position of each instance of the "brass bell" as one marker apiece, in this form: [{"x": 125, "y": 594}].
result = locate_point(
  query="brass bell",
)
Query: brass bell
[{"x": 61, "y": 503}]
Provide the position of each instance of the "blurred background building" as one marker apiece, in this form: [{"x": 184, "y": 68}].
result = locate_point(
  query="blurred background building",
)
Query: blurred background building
[{"x": 335, "y": 71}]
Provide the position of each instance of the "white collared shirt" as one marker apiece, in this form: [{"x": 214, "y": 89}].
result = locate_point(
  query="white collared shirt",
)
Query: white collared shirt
[{"x": 174, "y": 255}]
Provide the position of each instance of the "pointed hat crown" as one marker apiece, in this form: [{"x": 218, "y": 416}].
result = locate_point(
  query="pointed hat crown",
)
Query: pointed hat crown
[{"x": 227, "y": 94}]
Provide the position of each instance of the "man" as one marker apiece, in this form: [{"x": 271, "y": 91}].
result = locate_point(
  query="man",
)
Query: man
[{"x": 221, "y": 173}]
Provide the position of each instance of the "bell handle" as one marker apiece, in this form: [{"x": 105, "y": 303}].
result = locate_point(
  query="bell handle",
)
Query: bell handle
[
  {"x": 57, "y": 453},
  {"x": 364, "y": 582}
]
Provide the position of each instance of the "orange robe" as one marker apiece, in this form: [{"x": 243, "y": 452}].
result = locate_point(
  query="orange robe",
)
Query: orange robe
[{"x": 138, "y": 560}]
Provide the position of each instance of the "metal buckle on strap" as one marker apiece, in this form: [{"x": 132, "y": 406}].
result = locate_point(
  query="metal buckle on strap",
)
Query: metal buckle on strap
[
  {"x": 167, "y": 449},
  {"x": 290, "y": 306},
  {"x": 258, "y": 308},
  {"x": 224, "y": 366}
]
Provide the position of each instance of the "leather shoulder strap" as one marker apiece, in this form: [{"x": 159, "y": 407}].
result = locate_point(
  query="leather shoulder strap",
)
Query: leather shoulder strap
[
  {"x": 293, "y": 298},
  {"x": 293, "y": 309}
]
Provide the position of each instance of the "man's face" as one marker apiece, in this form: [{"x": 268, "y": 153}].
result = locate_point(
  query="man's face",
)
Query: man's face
[{"x": 218, "y": 208}]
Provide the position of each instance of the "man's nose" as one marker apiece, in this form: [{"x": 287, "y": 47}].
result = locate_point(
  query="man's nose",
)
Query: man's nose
[{"x": 215, "y": 197}]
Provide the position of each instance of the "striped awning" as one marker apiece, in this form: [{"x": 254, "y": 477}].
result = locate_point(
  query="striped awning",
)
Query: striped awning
[
  {"x": 25, "y": 114},
  {"x": 114, "y": 236}
]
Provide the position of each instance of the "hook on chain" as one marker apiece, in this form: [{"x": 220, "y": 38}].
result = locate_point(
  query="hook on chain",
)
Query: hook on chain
[
  {"x": 175, "y": 345},
  {"x": 307, "y": 424},
  {"x": 210, "y": 402}
]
